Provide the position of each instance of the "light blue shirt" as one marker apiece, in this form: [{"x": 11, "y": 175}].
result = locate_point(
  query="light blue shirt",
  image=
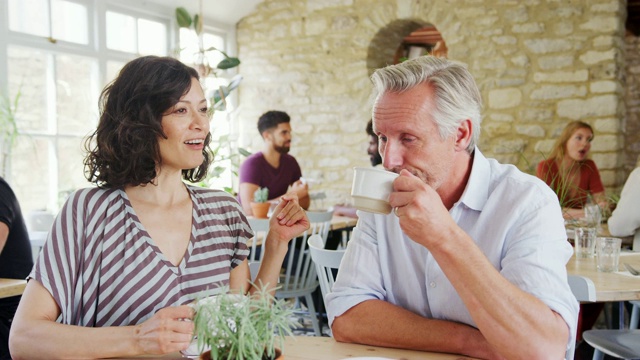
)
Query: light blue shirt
[{"x": 514, "y": 218}]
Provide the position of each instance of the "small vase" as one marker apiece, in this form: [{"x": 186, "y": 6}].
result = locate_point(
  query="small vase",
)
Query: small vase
[{"x": 260, "y": 210}]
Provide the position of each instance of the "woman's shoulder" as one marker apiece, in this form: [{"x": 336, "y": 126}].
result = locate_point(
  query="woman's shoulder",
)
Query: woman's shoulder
[
  {"x": 546, "y": 162},
  {"x": 212, "y": 195},
  {"x": 92, "y": 194}
]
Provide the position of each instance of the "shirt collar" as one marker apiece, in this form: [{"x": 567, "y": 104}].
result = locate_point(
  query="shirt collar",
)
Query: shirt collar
[{"x": 477, "y": 190}]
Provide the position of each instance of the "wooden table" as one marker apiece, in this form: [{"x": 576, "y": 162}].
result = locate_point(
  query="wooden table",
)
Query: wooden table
[
  {"x": 326, "y": 348},
  {"x": 609, "y": 286},
  {"x": 11, "y": 287},
  {"x": 342, "y": 222}
]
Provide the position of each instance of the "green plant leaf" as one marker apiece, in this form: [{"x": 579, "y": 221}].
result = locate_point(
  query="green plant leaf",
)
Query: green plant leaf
[
  {"x": 183, "y": 18},
  {"x": 197, "y": 24},
  {"x": 228, "y": 63},
  {"x": 244, "y": 152}
]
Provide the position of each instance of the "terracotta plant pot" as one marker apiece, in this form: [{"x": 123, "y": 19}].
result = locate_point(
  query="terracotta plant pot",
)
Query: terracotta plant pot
[
  {"x": 260, "y": 210},
  {"x": 207, "y": 356}
]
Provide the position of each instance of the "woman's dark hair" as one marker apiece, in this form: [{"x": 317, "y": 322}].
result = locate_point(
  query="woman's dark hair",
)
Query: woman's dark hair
[{"x": 126, "y": 150}]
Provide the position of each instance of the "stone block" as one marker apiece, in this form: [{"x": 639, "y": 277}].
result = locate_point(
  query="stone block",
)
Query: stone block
[
  {"x": 593, "y": 57},
  {"x": 597, "y": 106},
  {"x": 605, "y": 86},
  {"x": 501, "y": 117},
  {"x": 602, "y": 24},
  {"x": 544, "y": 146},
  {"x": 504, "y": 40},
  {"x": 509, "y": 146},
  {"x": 493, "y": 130},
  {"x": 505, "y": 98},
  {"x": 537, "y": 114},
  {"x": 530, "y": 28},
  {"x": 546, "y": 45},
  {"x": 562, "y": 76},
  {"x": 605, "y": 143},
  {"x": 563, "y": 28},
  {"x": 609, "y": 125},
  {"x": 535, "y": 131},
  {"x": 315, "y": 26},
  {"x": 605, "y": 160},
  {"x": 547, "y": 92},
  {"x": 552, "y": 62}
]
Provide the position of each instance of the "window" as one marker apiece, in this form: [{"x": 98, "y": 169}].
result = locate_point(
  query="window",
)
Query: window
[
  {"x": 58, "y": 67},
  {"x": 224, "y": 137}
]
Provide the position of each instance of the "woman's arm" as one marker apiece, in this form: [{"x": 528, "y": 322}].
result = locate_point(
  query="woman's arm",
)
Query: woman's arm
[
  {"x": 287, "y": 221},
  {"x": 35, "y": 334}
]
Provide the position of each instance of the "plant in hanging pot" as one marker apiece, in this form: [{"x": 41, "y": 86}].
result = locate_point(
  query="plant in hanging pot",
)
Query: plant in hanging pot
[
  {"x": 260, "y": 204},
  {"x": 232, "y": 326}
]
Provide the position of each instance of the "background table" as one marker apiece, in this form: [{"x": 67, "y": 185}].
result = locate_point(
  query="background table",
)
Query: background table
[
  {"x": 11, "y": 287},
  {"x": 609, "y": 286}
]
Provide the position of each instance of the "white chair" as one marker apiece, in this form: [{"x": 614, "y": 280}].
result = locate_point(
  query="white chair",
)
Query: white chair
[
  {"x": 260, "y": 229},
  {"x": 623, "y": 344},
  {"x": 584, "y": 290},
  {"x": 300, "y": 278},
  {"x": 326, "y": 261}
]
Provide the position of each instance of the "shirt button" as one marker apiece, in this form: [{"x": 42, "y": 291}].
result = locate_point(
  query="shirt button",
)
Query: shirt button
[{"x": 432, "y": 284}]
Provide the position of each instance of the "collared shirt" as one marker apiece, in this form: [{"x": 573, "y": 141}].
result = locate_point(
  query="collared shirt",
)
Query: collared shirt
[
  {"x": 625, "y": 219},
  {"x": 514, "y": 218}
]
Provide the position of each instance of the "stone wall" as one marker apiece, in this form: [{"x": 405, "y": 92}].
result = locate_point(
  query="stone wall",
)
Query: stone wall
[{"x": 539, "y": 64}]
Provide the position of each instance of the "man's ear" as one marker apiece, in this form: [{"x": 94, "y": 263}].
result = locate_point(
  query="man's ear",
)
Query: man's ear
[
  {"x": 463, "y": 134},
  {"x": 266, "y": 135}
]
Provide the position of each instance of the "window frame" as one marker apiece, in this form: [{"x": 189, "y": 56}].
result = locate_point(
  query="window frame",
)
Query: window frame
[{"x": 95, "y": 49}]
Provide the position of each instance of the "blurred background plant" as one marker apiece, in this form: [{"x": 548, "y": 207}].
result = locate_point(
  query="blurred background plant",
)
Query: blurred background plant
[
  {"x": 8, "y": 129},
  {"x": 211, "y": 63}
]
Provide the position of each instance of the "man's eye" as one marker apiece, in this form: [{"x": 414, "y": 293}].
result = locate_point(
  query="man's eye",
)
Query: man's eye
[{"x": 382, "y": 138}]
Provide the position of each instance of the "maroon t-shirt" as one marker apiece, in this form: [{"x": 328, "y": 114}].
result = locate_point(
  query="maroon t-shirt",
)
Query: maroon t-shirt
[{"x": 256, "y": 170}]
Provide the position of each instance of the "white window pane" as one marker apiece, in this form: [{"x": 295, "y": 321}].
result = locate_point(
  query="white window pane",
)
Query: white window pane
[
  {"x": 28, "y": 74},
  {"x": 113, "y": 69},
  {"x": 76, "y": 94},
  {"x": 70, "y": 167},
  {"x": 30, "y": 156},
  {"x": 29, "y": 16},
  {"x": 70, "y": 22},
  {"x": 189, "y": 47},
  {"x": 152, "y": 37},
  {"x": 121, "y": 32}
]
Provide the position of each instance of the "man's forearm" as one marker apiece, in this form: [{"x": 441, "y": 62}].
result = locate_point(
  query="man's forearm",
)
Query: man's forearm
[{"x": 379, "y": 323}]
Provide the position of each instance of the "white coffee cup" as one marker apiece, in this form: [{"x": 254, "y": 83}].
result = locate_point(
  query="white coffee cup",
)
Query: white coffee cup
[{"x": 371, "y": 189}]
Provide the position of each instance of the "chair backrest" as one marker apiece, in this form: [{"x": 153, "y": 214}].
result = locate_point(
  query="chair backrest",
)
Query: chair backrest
[
  {"x": 584, "y": 290},
  {"x": 326, "y": 261},
  {"x": 320, "y": 223},
  {"x": 260, "y": 229},
  {"x": 300, "y": 276}
]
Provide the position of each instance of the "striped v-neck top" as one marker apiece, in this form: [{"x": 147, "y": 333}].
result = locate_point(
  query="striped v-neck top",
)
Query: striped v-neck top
[{"x": 103, "y": 269}]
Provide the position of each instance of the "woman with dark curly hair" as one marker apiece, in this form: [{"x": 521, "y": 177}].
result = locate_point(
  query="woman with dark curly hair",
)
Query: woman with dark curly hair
[{"x": 123, "y": 259}]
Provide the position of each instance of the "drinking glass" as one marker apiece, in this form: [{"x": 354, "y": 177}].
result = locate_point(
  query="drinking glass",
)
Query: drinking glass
[
  {"x": 585, "y": 242},
  {"x": 593, "y": 215},
  {"x": 608, "y": 253}
]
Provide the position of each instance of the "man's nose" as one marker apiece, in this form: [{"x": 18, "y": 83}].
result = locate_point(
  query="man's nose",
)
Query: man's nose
[{"x": 392, "y": 155}]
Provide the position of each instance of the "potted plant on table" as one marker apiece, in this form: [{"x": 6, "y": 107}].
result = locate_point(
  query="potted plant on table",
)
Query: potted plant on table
[
  {"x": 232, "y": 326},
  {"x": 260, "y": 204}
]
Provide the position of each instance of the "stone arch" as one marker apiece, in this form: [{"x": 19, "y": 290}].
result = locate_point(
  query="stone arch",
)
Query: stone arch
[{"x": 385, "y": 42}]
